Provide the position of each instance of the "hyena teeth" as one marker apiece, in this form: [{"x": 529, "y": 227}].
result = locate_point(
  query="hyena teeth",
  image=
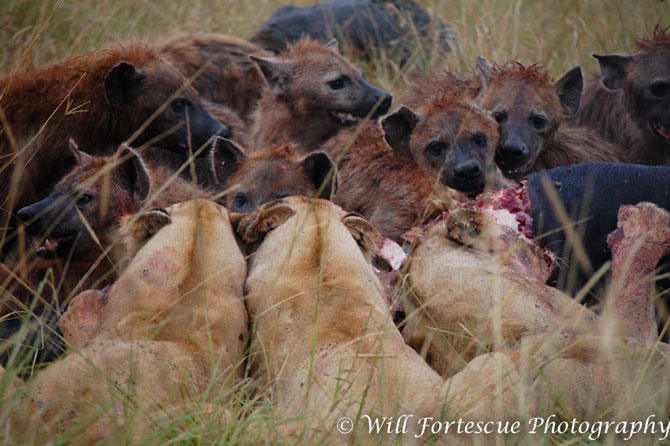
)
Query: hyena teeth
[
  {"x": 345, "y": 118},
  {"x": 661, "y": 130},
  {"x": 50, "y": 244}
]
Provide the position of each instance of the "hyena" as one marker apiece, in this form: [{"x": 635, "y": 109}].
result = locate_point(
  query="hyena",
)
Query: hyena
[
  {"x": 531, "y": 113},
  {"x": 452, "y": 139},
  {"x": 313, "y": 92},
  {"x": 219, "y": 67},
  {"x": 270, "y": 174},
  {"x": 629, "y": 105},
  {"x": 387, "y": 187},
  {"x": 196, "y": 166},
  {"x": 100, "y": 99},
  {"x": 80, "y": 219}
]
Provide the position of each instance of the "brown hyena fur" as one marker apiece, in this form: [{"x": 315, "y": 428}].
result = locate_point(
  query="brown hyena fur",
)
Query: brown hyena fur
[
  {"x": 219, "y": 66},
  {"x": 100, "y": 99},
  {"x": 629, "y": 105},
  {"x": 313, "y": 92},
  {"x": 238, "y": 129},
  {"x": 78, "y": 223},
  {"x": 452, "y": 139},
  {"x": 385, "y": 186},
  {"x": 531, "y": 113},
  {"x": 198, "y": 168},
  {"x": 442, "y": 83},
  {"x": 273, "y": 173}
]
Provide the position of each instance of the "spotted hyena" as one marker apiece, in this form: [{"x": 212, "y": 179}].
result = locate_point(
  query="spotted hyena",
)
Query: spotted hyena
[{"x": 313, "y": 92}]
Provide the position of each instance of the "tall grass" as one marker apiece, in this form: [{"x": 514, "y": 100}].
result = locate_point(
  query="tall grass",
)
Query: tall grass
[{"x": 557, "y": 34}]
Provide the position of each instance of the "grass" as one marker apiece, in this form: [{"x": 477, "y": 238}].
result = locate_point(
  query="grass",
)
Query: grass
[{"x": 557, "y": 34}]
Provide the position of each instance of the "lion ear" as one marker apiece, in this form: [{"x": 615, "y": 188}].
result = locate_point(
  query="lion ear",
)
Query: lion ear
[
  {"x": 363, "y": 232},
  {"x": 466, "y": 226},
  {"x": 253, "y": 227},
  {"x": 137, "y": 229}
]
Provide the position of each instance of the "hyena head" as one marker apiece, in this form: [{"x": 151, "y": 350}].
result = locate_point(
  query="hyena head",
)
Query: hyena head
[
  {"x": 454, "y": 140},
  {"x": 316, "y": 81},
  {"x": 151, "y": 90},
  {"x": 528, "y": 108},
  {"x": 644, "y": 77},
  {"x": 91, "y": 198},
  {"x": 270, "y": 174}
]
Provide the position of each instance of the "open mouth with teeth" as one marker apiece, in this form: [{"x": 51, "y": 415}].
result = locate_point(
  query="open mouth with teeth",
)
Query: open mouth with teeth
[
  {"x": 344, "y": 118},
  {"x": 514, "y": 168},
  {"x": 661, "y": 130},
  {"x": 517, "y": 170},
  {"x": 50, "y": 247}
]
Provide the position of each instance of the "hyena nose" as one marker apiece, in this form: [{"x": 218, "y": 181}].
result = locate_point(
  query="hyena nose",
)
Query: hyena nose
[
  {"x": 467, "y": 171},
  {"x": 27, "y": 216},
  {"x": 512, "y": 151},
  {"x": 385, "y": 104},
  {"x": 26, "y": 213},
  {"x": 224, "y": 131}
]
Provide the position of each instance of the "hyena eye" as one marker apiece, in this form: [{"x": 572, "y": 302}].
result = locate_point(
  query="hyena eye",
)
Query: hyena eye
[
  {"x": 435, "y": 149},
  {"x": 239, "y": 201},
  {"x": 338, "y": 83},
  {"x": 659, "y": 89},
  {"x": 179, "y": 105},
  {"x": 500, "y": 116},
  {"x": 84, "y": 199},
  {"x": 538, "y": 122},
  {"x": 479, "y": 140}
]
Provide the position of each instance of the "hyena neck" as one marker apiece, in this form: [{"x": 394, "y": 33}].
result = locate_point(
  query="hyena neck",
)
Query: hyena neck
[
  {"x": 279, "y": 120},
  {"x": 608, "y": 113}
]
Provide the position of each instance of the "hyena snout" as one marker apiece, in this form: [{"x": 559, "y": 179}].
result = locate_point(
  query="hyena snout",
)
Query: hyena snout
[
  {"x": 31, "y": 216},
  {"x": 27, "y": 217},
  {"x": 384, "y": 100},
  {"x": 512, "y": 151},
  {"x": 379, "y": 98},
  {"x": 467, "y": 171}
]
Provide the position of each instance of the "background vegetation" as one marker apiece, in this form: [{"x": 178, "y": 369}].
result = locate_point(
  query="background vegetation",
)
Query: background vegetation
[
  {"x": 559, "y": 34},
  {"x": 556, "y": 33}
]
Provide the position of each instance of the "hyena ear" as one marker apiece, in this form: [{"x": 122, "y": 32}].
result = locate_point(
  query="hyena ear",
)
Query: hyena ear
[
  {"x": 363, "y": 232},
  {"x": 398, "y": 127},
  {"x": 318, "y": 167},
  {"x": 277, "y": 73},
  {"x": 131, "y": 174},
  {"x": 613, "y": 69},
  {"x": 137, "y": 229},
  {"x": 486, "y": 70},
  {"x": 333, "y": 45},
  {"x": 81, "y": 157},
  {"x": 123, "y": 84},
  {"x": 569, "y": 89},
  {"x": 225, "y": 159},
  {"x": 466, "y": 226},
  {"x": 253, "y": 227}
]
